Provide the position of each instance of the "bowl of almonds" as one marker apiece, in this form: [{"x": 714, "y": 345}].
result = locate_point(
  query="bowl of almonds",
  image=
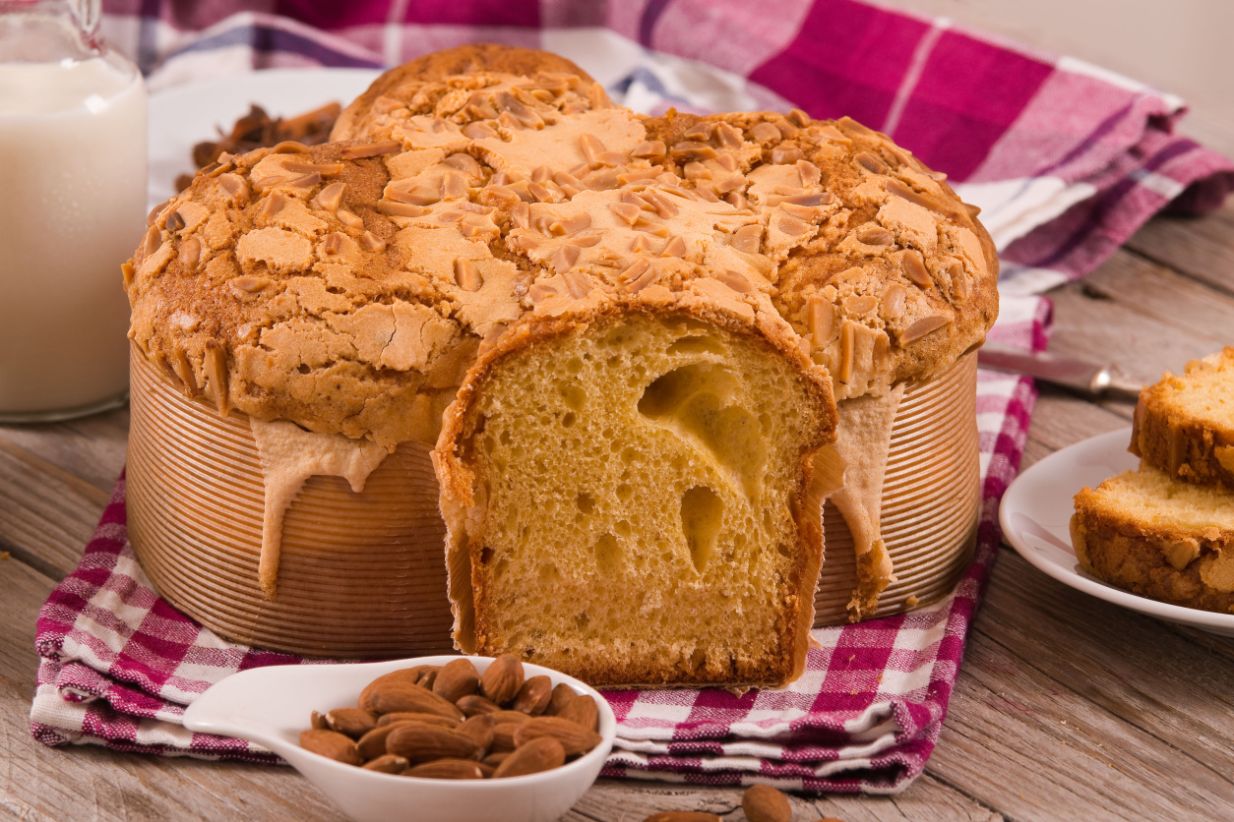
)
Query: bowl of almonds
[{"x": 452, "y": 737}]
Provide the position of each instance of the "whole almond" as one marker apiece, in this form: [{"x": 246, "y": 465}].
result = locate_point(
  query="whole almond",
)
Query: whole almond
[
  {"x": 562, "y": 695},
  {"x": 533, "y": 697},
  {"x": 763, "y": 803},
  {"x": 503, "y": 737},
  {"x": 330, "y": 744},
  {"x": 574, "y": 738},
  {"x": 487, "y": 770},
  {"x": 456, "y": 679},
  {"x": 517, "y": 717},
  {"x": 447, "y": 769},
  {"x": 502, "y": 678},
  {"x": 423, "y": 743},
  {"x": 373, "y": 743},
  {"x": 396, "y": 697},
  {"x": 583, "y": 711},
  {"x": 416, "y": 675},
  {"x": 496, "y": 758},
  {"x": 409, "y": 716},
  {"x": 538, "y": 755},
  {"x": 683, "y": 816},
  {"x": 354, "y": 722},
  {"x": 474, "y": 704},
  {"x": 387, "y": 763},
  {"x": 480, "y": 729}
]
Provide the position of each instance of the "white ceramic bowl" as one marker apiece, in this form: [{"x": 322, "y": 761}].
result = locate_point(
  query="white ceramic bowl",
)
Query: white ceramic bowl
[{"x": 271, "y": 706}]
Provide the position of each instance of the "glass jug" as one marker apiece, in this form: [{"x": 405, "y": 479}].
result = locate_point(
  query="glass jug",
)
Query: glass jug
[{"x": 72, "y": 209}]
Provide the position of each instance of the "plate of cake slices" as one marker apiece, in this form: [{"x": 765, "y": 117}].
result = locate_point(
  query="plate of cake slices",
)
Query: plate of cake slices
[{"x": 1142, "y": 517}]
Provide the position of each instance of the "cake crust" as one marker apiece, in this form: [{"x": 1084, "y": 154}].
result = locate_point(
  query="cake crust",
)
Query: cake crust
[
  {"x": 1176, "y": 439},
  {"x": 463, "y": 502},
  {"x": 275, "y": 282},
  {"x": 403, "y": 82}
]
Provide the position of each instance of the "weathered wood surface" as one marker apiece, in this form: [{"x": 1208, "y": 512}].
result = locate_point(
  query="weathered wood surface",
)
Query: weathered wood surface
[{"x": 1066, "y": 707}]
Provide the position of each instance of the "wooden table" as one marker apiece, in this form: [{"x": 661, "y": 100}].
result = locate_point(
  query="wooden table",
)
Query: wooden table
[{"x": 1066, "y": 706}]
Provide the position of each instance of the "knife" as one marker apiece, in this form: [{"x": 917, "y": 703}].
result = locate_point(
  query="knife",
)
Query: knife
[{"x": 1091, "y": 379}]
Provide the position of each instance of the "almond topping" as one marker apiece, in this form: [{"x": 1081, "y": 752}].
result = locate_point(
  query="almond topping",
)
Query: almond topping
[
  {"x": 735, "y": 280},
  {"x": 651, "y": 149},
  {"x": 371, "y": 242},
  {"x": 875, "y": 235},
  {"x": 765, "y": 133},
  {"x": 330, "y": 197},
  {"x": 355, "y": 152},
  {"x": 893, "y": 301},
  {"x": 349, "y": 218},
  {"x": 785, "y": 154},
  {"x": 914, "y": 269},
  {"x": 820, "y": 317},
  {"x": 626, "y": 212},
  {"x": 591, "y": 147},
  {"x": 859, "y": 305},
  {"x": 393, "y": 208},
  {"x": 675, "y": 247},
  {"x": 748, "y": 238},
  {"x": 190, "y": 253},
  {"x": 466, "y": 275},
  {"x": 871, "y": 163},
  {"x": 922, "y": 327}
]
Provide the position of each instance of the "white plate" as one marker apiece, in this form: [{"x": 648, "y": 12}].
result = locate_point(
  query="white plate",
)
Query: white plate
[
  {"x": 1037, "y": 508},
  {"x": 185, "y": 115}
]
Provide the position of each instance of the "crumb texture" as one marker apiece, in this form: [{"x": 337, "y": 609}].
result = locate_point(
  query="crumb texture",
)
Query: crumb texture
[{"x": 640, "y": 486}]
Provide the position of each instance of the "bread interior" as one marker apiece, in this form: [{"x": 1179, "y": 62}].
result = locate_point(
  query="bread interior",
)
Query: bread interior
[{"x": 641, "y": 477}]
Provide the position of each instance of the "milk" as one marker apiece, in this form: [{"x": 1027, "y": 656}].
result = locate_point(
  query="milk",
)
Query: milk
[{"x": 72, "y": 209}]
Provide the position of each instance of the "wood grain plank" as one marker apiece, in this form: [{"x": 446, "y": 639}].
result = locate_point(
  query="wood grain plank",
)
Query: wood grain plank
[
  {"x": 47, "y": 513},
  {"x": 1202, "y": 248},
  {"x": 91, "y": 448},
  {"x": 928, "y": 798},
  {"x": 1069, "y": 702},
  {"x": 37, "y": 782}
]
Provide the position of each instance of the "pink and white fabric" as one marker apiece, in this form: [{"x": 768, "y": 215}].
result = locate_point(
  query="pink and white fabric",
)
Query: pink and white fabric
[{"x": 1066, "y": 160}]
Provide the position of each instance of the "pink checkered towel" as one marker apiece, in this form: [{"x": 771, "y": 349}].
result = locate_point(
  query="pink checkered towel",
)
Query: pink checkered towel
[{"x": 1065, "y": 160}]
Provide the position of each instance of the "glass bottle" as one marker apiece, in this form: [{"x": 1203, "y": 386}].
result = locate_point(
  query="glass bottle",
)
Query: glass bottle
[{"x": 72, "y": 208}]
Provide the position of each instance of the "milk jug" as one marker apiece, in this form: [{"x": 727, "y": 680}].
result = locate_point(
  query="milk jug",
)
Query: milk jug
[{"x": 72, "y": 207}]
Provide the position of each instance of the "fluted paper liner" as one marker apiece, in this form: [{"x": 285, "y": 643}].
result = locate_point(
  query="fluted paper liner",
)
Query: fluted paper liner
[{"x": 363, "y": 575}]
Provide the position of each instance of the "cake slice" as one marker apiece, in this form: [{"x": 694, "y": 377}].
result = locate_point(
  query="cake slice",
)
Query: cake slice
[
  {"x": 1153, "y": 536},
  {"x": 1184, "y": 425},
  {"x": 628, "y": 498}
]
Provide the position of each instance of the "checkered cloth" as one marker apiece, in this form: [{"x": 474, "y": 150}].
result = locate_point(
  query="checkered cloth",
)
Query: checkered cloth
[{"x": 1066, "y": 161}]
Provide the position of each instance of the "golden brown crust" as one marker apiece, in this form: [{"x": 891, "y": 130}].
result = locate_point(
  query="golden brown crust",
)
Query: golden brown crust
[
  {"x": 1172, "y": 440},
  {"x": 899, "y": 280},
  {"x": 463, "y": 503},
  {"x": 1161, "y": 564},
  {"x": 486, "y": 196},
  {"x": 403, "y": 81}
]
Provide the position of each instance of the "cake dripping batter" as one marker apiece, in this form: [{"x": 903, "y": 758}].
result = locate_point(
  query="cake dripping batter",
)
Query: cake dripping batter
[
  {"x": 289, "y": 456},
  {"x": 862, "y": 442}
]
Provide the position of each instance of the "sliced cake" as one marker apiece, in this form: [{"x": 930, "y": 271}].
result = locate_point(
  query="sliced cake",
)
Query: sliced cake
[
  {"x": 1159, "y": 538},
  {"x": 627, "y": 493},
  {"x": 1184, "y": 425}
]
